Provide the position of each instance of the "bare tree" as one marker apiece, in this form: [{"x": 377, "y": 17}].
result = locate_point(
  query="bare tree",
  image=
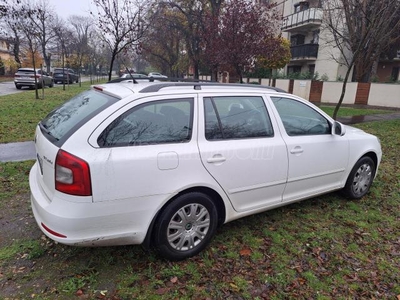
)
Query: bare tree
[
  {"x": 19, "y": 16},
  {"x": 14, "y": 36},
  {"x": 43, "y": 21},
  {"x": 98, "y": 54},
  {"x": 123, "y": 24},
  {"x": 64, "y": 37},
  {"x": 361, "y": 30},
  {"x": 10, "y": 17},
  {"x": 82, "y": 30}
]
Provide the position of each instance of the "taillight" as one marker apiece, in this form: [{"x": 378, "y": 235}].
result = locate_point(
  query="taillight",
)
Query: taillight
[
  {"x": 17, "y": 75},
  {"x": 72, "y": 175}
]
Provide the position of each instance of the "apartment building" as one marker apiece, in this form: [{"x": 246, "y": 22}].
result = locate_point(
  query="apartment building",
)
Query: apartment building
[
  {"x": 5, "y": 54},
  {"x": 311, "y": 47}
]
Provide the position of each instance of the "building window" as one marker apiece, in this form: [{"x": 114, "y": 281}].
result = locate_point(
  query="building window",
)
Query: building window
[
  {"x": 311, "y": 70},
  {"x": 294, "y": 70},
  {"x": 302, "y": 5},
  {"x": 297, "y": 39}
]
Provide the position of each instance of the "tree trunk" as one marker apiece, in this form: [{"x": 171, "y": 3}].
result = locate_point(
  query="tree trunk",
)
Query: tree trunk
[
  {"x": 111, "y": 65},
  {"x": 239, "y": 73},
  {"x": 346, "y": 78},
  {"x": 196, "y": 70},
  {"x": 47, "y": 60},
  {"x": 34, "y": 71},
  {"x": 16, "y": 48}
]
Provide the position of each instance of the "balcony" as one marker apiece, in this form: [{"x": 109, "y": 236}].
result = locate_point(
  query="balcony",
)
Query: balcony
[
  {"x": 308, "y": 19},
  {"x": 304, "y": 52}
]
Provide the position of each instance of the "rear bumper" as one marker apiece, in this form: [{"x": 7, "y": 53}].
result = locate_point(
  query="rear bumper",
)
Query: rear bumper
[
  {"x": 25, "y": 82},
  {"x": 89, "y": 223}
]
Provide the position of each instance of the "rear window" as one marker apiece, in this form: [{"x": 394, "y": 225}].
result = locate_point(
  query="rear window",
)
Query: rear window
[
  {"x": 25, "y": 71},
  {"x": 60, "y": 71},
  {"x": 62, "y": 122}
]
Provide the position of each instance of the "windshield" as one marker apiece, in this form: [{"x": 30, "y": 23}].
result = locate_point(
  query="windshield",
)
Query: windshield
[
  {"x": 62, "y": 122},
  {"x": 61, "y": 71}
]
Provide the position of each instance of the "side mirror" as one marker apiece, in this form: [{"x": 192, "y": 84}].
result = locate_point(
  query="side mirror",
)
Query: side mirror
[{"x": 338, "y": 129}]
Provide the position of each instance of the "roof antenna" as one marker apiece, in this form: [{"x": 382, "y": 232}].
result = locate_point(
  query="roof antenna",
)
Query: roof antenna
[{"x": 130, "y": 74}]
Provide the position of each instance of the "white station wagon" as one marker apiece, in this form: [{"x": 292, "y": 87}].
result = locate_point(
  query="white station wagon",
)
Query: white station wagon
[{"x": 165, "y": 164}]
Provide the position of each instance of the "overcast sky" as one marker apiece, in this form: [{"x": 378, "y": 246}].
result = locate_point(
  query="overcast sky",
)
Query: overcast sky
[{"x": 65, "y": 8}]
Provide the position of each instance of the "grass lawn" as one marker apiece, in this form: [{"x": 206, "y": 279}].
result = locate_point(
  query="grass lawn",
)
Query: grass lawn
[
  {"x": 6, "y": 78},
  {"x": 323, "y": 248},
  {"x": 349, "y": 111},
  {"x": 20, "y": 113}
]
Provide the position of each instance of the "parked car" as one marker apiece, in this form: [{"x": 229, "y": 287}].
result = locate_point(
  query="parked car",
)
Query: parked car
[
  {"x": 133, "y": 75},
  {"x": 165, "y": 164},
  {"x": 65, "y": 75},
  {"x": 157, "y": 75},
  {"x": 26, "y": 77}
]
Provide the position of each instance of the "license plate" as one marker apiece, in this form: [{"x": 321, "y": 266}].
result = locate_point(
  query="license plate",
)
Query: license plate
[{"x": 40, "y": 161}]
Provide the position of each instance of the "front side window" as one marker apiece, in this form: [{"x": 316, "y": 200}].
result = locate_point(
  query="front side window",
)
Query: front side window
[
  {"x": 158, "y": 122},
  {"x": 300, "y": 119},
  {"x": 232, "y": 117}
]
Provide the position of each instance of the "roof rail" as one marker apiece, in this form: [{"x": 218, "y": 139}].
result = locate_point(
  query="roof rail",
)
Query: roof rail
[
  {"x": 197, "y": 86},
  {"x": 150, "y": 79},
  {"x": 180, "y": 79}
]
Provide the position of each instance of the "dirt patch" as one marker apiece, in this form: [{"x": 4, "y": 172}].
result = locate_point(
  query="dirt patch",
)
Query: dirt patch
[{"x": 17, "y": 221}]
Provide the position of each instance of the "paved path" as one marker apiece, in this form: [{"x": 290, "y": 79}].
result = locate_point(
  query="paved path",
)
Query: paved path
[
  {"x": 26, "y": 150},
  {"x": 17, "y": 151}
]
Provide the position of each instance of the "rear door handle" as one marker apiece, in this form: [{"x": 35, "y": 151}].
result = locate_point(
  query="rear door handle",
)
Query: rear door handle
[
  {"x": 297, "y": 150},
  {"x": 218, "y": 158}
]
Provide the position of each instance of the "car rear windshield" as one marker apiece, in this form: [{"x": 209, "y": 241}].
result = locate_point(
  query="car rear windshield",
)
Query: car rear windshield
[
  {"x": 61, "y": 71},
  {"x": 25, "y": 71},
  {"x": 62, "y": 122}
]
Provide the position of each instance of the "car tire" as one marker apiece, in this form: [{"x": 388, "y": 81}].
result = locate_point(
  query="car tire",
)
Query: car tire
[
  {"x": 185, "y": 226},
  {"x": 18, "y": 87},
  {"x": 360, "y": 179},
  {"x": 51, "y": 84}
]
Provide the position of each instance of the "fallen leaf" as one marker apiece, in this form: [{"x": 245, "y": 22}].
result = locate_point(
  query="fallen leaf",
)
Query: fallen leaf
[
  {"x": 79, "y": 293},
  {"x": 245, "y": 252},
  {"x": 174, "y": 279},
  {"x": 234, "y": 287},
  {"x": 162, "y": 291}
]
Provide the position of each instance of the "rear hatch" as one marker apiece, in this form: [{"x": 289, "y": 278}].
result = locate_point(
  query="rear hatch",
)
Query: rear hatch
[
  {"x": 25, "y": 75},
  {"x": 58, "y": 126}
]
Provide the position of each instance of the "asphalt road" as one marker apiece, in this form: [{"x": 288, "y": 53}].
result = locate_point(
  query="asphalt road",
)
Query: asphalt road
[{"x": 7, "y": 88}]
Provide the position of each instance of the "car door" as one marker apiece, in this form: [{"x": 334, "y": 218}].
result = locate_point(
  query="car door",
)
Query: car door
[
  {"x": 241, "y": 149},
  {"x": 317, "y": 158}
]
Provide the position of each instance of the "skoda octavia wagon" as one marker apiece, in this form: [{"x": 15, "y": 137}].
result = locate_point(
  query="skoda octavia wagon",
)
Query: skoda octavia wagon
[{"x": 165, "y": 164}]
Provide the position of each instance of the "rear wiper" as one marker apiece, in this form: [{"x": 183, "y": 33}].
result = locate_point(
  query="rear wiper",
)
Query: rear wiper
[{"x": 44, "y": 128}]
